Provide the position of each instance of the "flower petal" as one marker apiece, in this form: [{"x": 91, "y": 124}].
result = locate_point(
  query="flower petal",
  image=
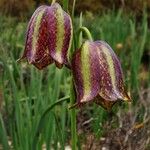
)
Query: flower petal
[
  {"x": 111, "y": 83},
  {"x": 60, "y": 31},
  {"x": 36, "y": 48},
  {"x": 86, "y": 73}
]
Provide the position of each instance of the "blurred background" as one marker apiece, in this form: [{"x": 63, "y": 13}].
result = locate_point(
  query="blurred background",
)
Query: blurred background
[{"x": 25, "y": 92}]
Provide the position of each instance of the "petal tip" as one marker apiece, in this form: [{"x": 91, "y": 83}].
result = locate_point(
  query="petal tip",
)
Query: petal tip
[
  {"x": 127, "y": 97},
  {"x": 106, "y": 104}
]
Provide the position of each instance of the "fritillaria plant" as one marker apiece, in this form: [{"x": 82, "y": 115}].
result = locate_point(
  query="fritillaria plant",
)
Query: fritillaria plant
[{"x": 96, "y": 70}]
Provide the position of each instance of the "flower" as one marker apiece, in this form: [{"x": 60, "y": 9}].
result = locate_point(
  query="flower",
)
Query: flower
[
  {"x": 49, "y": 36},
  {"x": 98, "y": 75}
]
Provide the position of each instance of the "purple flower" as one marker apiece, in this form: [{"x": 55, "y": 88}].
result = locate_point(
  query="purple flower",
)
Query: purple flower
[
  {"x": 49, "y": 36},
  {"x": 98, "y": 75}
]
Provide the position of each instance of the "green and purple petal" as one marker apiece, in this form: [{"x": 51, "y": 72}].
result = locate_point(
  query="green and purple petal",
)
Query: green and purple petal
[
  {"x": 86, "y": 73},
  {"x": 49, "y": 36},
  {"x": 36, "y": 47},
  {"x": 60, "y": 31},
  {"x": 112, "y": 86},
  {"x": 98, "y": 75}
]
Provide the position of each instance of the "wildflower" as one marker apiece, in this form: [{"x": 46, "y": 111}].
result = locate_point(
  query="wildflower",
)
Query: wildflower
[
  {"x": 98, "y": 75},
  {"x": 49, "y": 36}
]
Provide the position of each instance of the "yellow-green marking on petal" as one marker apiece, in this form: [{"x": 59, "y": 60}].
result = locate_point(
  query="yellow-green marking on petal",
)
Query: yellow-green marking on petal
[
  {"x": 85, "y": 70},
  {"x": 60, "y": 32},
  {"x": 110, "y": 63},
  {"x": 36, "y": 30}
]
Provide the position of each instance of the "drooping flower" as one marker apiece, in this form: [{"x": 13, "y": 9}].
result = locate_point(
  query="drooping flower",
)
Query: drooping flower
[
  {"x": 49, "y": 36},
  {"x": 98, "y": 75}
]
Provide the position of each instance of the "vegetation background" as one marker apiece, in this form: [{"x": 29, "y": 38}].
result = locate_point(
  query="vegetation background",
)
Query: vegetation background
[{"x": 26, "y": 93}]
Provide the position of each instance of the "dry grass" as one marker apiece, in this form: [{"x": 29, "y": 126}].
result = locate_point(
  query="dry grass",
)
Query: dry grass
[{"x": 131, "y": 131}]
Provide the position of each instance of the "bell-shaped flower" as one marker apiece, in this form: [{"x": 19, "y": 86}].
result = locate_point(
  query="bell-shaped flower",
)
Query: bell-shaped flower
[
  {"x": 98, "y": 75},
  {"x": 48, "y": 37}
]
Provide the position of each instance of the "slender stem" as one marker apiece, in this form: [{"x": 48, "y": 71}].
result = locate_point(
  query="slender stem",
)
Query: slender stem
[
  {"x": 72, "y": 96},
  {"x": 80, "y": 34},
  {"x": 87, "y": 32},
  {"x": 73, "y": 119},
  {"x": 53, "y": 1},
  {"x": 72, "y": 17},
  {"x": 73, "y": 7}
]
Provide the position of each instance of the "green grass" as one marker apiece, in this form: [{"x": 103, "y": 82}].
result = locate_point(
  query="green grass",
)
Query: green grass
[{"x": 27, "y": 92}]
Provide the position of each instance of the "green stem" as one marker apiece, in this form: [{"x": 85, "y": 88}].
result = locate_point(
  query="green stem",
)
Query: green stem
[
  {"x": 87, "y": 32},
  {"x": 73, "y": 119},
  {"x": 80, "y": 34},
  {"x": 73, "y": 7},
  {"x": 72, "y": 96},
  {"x": 74, "y": 35}
]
